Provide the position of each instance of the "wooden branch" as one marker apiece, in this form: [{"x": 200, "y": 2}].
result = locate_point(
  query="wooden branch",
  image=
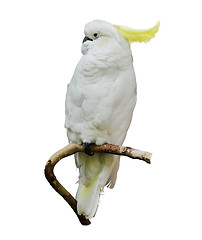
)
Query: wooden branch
[
  {"x": 73, "y": 148},
  {"x": 120, "y": 150}
]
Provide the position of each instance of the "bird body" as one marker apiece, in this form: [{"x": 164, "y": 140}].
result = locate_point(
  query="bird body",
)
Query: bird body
[{"x": 99, "y": 106}]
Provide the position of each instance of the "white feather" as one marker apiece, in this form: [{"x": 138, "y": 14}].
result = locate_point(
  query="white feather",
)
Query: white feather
[{"x": 99, "y": 106}]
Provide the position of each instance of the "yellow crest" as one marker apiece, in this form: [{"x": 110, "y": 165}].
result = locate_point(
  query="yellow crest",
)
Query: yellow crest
[{"x": 134, "y": 35}]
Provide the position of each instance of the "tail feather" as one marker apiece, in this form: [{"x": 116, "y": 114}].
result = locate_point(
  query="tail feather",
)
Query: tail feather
[
  {"x": 112, "y": 179},
  {"x": 88, "y": 198}
]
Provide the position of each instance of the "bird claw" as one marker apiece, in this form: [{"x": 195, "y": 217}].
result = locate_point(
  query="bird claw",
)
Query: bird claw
[{"x": 86, "y": 148}]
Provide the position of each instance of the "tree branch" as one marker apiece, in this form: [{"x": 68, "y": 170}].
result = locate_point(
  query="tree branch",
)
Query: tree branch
[{"x": 73, "y": 148}]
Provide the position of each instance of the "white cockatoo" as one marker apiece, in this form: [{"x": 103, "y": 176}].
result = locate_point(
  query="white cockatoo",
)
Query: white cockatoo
[{"x": 99, "y": 105}]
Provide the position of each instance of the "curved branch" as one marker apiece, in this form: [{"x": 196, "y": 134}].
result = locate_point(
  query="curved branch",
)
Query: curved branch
[{"x": 73, "y": 148}]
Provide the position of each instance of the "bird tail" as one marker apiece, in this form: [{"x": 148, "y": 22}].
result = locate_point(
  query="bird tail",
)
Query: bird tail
[{"x": 95, "y": 172}]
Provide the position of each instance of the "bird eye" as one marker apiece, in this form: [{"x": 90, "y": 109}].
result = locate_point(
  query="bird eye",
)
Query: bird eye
[{"x": 96, "y": 35}]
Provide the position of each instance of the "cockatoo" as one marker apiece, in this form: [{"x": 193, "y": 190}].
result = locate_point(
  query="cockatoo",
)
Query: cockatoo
[{"x": 99, "y": 105}]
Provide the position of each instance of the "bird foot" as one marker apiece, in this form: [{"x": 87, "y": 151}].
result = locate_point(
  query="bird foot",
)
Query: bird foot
[{"x": 86, "y": 148}]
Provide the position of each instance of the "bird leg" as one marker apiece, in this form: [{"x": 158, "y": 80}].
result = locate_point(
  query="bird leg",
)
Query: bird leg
[{"x": 86, "y": 148}]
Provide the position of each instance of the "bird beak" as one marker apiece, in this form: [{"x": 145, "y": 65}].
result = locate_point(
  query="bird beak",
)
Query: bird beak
[{"x": 87, "y": 39}]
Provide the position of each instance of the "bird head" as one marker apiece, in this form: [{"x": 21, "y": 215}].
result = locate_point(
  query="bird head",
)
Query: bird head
[{"x": 99, "y": 35}]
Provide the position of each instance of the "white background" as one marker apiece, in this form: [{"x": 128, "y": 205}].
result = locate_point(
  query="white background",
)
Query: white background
[{"x": 39, "y": 49}]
